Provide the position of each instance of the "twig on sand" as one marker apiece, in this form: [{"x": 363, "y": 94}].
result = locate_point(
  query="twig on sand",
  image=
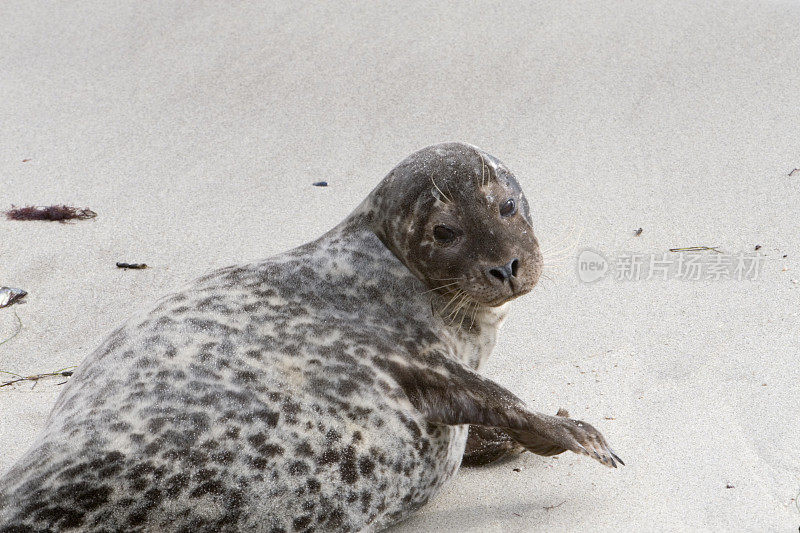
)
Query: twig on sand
[
  {"x": 64, "y": 372},
  {"x": 19, "y": 328},
  {"x": 696, "y": 249},
  {"x": 551, "y": 507},
  {"x": 793, "y": 171}
]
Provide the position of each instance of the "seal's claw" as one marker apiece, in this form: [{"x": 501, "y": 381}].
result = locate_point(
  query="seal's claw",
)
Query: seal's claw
[{"x": 615, "y": 456}]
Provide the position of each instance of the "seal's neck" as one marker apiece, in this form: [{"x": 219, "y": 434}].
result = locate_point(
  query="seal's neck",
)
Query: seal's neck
[{"x": 374, "y": 213}]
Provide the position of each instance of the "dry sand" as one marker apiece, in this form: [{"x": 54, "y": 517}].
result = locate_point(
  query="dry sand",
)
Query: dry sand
[{"x": 195, "y": 132}]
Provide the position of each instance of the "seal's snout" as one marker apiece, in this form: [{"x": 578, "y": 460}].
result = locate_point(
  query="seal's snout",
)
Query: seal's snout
[{"x": 505, "y": 273}]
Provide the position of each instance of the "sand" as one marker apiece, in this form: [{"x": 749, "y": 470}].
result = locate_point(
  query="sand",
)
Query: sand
[{"x": 196, "y": 131}]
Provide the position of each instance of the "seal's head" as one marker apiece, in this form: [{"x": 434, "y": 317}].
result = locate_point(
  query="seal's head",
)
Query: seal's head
[{"x": 457, "y": 218}]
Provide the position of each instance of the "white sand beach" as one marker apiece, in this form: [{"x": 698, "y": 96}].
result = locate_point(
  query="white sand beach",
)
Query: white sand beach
[{"x": 195, "y": 131}]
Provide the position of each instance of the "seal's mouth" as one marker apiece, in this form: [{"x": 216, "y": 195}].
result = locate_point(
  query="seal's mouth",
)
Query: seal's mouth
[
  {"x": 485, "y": 291},
  {"x": 515, "y": 293}
]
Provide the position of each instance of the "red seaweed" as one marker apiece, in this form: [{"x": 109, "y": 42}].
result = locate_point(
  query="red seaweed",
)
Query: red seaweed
[{"x": 58, "y": 213}]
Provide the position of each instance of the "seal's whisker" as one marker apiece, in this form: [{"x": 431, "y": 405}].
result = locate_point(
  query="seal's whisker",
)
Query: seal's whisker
[
  {"x": 474, "y": 314},
  {"x": 558, "y": 243},
  {"x": 555, "y": 261},
  {"x": 464, "y": 301},
  {"x": 458, "y": 293},
  {"x": 560, "y": 246},
  {"x": 449, "y": 191},
  {"x": 465, "y": 312},
  {"x": 485, "y": 176},
  {"x": 559, "y": 255},
  {"x": 483, "y": 171},
  {"x": 440, "y": 190},
  {"x": 558, "y": 252},
  {"x": 451, "y": 313},
  {"x": 554, "y": 272},
  {"x": 440, "y": 287},
  {"x": 446, "y": 285},
  {"x": 559, "y": 261}
]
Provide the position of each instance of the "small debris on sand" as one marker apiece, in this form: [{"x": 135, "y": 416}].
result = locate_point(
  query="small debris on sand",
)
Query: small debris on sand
[
  {"x": 758, "y": 246},
  {"x": 793, "y": 171},
  {"x": 10, "y": 295},
  {"x": 58, "y": 213},
  {"x": 696, "y": 249},
  {"x": 320, "y": 184},
  {"x": 729, "y": 486},
  {"x": 516, "y": 470},
  {"x": 25, "y": 160},
  {"x": 638, "y": 232},
  {"x": 134, "y": 266},
  {"x": 551, "y": 507},
  {"x": 64, "y": 372}
]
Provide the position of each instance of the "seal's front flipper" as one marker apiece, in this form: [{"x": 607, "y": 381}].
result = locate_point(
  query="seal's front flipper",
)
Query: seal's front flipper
[
  {"x": 487, "y": 445},
  {"x": 447, "y": 392}
]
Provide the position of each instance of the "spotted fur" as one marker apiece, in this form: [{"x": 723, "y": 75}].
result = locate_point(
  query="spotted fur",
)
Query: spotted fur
[{"x": 321, "y": 389}]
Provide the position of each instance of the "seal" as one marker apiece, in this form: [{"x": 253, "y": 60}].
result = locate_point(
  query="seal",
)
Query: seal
[{"x": 328, "y": 388}]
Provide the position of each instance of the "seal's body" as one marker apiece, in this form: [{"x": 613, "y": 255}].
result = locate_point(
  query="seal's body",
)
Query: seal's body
[{"x": 327, "y": 388}]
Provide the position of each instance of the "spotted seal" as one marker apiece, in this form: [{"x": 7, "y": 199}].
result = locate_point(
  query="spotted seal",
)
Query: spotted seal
[{"x": 328, "y": 388}]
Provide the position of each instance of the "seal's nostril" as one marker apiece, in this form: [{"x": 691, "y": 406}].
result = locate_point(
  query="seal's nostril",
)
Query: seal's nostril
[
  {"x": 507, "y": 271},
  {"x": 498, "y": 273}
]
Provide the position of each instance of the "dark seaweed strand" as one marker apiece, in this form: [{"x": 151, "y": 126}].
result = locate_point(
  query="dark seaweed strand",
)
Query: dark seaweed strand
[{"x": 58, "y": 213}]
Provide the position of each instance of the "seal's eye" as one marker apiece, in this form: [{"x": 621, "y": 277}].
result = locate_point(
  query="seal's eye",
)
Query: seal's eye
[
  {"x": 508, "y": 208},
  {"x": 443, "y": 234}
]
